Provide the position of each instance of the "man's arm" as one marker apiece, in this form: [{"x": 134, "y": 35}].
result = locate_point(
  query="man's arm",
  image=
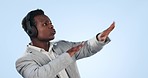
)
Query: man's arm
[
  {"x": 29, "y": 67},
  {"x": 91, "y": 46},
  {"x": 103, "y": 36}
]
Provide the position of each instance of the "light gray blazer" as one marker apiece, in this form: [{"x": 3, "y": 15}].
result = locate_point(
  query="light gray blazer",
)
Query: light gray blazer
[{"x": 35, "y": 64}]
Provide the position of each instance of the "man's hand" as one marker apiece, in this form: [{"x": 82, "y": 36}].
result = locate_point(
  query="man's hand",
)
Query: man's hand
[
  {"x": 75, "y": 49},
  {"x": 106, "y": 32}
]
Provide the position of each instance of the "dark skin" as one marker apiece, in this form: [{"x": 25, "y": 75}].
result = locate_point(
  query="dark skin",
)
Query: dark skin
[{"x": 46, "y": 33}]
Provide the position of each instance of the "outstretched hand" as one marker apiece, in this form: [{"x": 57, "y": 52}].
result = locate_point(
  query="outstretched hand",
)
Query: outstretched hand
[
  {"x": 102, "y": 37},
  {"x": 75, "y": 49},
  {"x": 106, "y": 32}
]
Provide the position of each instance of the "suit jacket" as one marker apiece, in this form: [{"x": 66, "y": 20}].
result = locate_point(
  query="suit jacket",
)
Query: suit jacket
[{"x": 34, "y": 64}]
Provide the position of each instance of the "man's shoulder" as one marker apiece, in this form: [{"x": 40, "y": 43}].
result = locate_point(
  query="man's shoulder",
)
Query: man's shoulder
[
  {"x": 24, "y": 57},
  {"x": 61, "y": 42}
]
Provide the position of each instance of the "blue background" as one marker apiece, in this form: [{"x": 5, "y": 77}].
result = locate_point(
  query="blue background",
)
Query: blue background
[{"x": 126, "y": 56}]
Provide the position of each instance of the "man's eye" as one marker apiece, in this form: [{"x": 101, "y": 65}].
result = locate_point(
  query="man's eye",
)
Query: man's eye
[{"x": 45, "y": 24}]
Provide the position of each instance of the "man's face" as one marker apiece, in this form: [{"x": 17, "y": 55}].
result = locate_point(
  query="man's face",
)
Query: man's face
[{"x": 45, "y": 28}]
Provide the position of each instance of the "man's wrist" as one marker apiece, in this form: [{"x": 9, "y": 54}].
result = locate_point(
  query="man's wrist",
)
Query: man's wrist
[{"x": 98, "y": 36}]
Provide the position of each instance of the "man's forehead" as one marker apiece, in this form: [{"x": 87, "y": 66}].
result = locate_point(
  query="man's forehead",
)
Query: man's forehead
[{"x": 42, "y": 18}]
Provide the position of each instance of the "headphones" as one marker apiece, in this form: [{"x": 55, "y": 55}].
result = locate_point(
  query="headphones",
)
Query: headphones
[{"x": 31, "y": 29}]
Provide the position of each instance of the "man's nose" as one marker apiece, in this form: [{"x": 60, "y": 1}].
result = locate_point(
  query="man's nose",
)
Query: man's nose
[{"x": 51, "y": 27}]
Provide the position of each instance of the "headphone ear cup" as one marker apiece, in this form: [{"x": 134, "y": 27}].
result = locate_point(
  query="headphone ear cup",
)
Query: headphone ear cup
[{"x": 32, "y": 31}]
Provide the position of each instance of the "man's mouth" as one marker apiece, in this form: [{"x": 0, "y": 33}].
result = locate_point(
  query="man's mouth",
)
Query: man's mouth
[{"x": 54, "y": 32}]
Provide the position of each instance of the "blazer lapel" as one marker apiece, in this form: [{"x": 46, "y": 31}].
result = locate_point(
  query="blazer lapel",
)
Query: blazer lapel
[{"x": 39, "y": 57}]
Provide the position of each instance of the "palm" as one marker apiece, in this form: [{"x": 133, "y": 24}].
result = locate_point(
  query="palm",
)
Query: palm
[{"x": 106, "y": 32}]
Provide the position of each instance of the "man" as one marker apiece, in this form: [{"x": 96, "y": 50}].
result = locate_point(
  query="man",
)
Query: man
[{"x": 46, "y": 59}]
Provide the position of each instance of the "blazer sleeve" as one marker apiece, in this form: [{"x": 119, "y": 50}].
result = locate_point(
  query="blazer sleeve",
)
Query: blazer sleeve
[
  {"x": 90, "y": 47},
  {"x": 30, "y": 68}
]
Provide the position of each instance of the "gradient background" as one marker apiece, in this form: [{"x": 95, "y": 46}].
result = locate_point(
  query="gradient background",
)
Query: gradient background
[{"x": 77, "y": 20}]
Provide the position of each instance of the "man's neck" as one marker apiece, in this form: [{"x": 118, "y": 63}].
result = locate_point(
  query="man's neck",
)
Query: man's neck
[{"x": 41, "y": 44}]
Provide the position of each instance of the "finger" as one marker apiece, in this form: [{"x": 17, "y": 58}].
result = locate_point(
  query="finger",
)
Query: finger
[
  {"x": 112, "y": 26},
  {"x": 80, "y": 46},
  {"x": 108, "y": 30},
  {"x": 83, "y": 43}
]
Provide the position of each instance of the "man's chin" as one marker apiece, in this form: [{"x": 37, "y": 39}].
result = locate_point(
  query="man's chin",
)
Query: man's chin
[
  {"x": 51, "y": 39},
  {"x": 46, "y": 40}
]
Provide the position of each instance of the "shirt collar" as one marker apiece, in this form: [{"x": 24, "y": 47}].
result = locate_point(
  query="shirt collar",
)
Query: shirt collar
[
  {"x": 38, "y": 48},
  {"x": 35, "y": 48}
]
